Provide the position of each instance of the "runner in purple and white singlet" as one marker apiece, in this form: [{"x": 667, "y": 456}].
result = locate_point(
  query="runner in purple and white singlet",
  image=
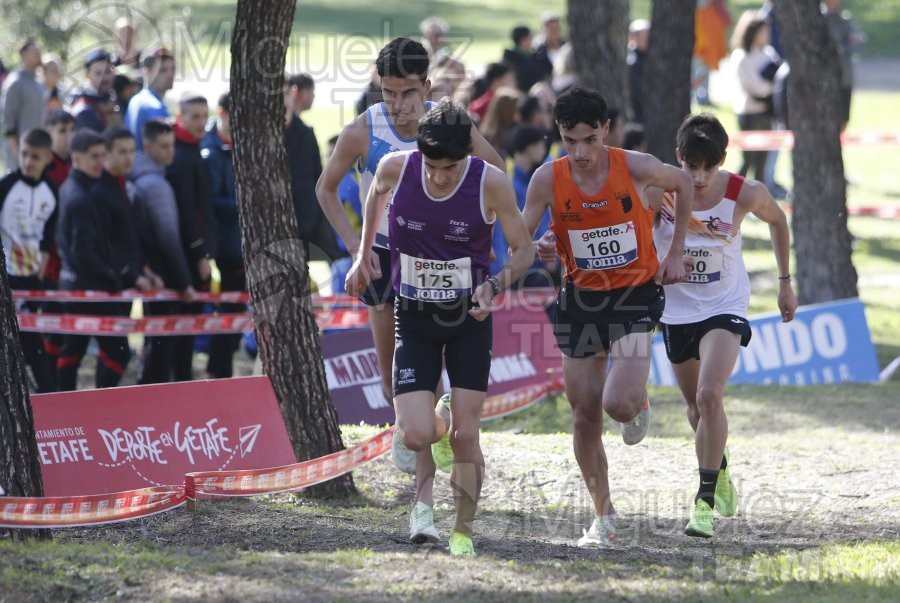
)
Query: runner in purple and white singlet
[{"x": 442, "y": 211}]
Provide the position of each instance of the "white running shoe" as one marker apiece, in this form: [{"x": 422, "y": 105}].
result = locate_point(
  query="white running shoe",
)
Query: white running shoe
[
  {"x": 634, "y": 430},
  {"x": 421, "y": 525},
  {"x": 403, "y": 457},
  {"x": 601, "y": 534}
]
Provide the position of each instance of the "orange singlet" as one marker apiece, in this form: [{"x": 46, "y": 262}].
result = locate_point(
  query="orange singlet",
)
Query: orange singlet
[{"x": 605, "y": 241}]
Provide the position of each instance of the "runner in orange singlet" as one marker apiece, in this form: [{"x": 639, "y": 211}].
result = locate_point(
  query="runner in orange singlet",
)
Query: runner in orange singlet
[{"x": 612, "y": 295}]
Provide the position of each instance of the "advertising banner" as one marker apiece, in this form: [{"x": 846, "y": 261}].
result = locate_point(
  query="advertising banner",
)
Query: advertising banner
[{"x": 110, "y": 440}]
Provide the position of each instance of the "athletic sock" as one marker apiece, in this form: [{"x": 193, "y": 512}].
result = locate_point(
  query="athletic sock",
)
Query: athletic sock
[{"x": 707, "y": 491}]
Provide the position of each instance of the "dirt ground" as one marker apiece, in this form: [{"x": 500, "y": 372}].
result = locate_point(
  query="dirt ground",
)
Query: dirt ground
[{"x": 804, "y": 483}]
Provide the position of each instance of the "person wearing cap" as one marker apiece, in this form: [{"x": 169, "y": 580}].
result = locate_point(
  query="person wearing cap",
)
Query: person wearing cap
[
  {"x": 158, "y": 71},
  {"x": 93, "y": 104},
  {"x": 22, "y": 101}
]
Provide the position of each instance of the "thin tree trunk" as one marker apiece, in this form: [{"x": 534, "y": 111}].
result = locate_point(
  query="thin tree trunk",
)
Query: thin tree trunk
[
  {"x": 667, "y": 78},
  {"x": 277, "y": 272},
  {"x": 20, "y": 467},
  {"x": 599, "y": 35},
  {"x": 824, "y": 269}
]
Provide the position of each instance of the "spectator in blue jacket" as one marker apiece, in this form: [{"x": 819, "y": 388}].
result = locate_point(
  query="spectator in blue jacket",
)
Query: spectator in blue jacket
[
  {"x": 216, "y": 153},
  {"x": 158, "y": 70}
]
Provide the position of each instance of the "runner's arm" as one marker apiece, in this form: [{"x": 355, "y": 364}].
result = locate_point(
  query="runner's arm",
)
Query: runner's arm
[
  {"x": 365, "y": 266},
  {"x": 352, "y": 143},
  {"x": 764, "y": 207},
  {"x": 538, "y": 199},
  {"x": 647, "y": 171},
  {"x": 500, "y": 199}
]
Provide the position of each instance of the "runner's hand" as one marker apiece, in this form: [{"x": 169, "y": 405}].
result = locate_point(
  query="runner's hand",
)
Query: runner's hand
[
  {"x": 483, "y": 301},
  {"x": 671, "y": 270},
  {"x": 545, "y": 247},
  {"x": 787, "y": 301},
  {"x": 359, "y": 276}
]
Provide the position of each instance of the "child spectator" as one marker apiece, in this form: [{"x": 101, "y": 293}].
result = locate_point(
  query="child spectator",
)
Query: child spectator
[{"x": 28, "y": 212}]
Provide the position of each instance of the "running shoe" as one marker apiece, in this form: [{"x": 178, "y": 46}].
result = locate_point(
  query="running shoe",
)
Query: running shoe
[
  {"x": 441, "y": 450},
  {"x": 726, "y": 493},
  {"x": 602, "y": 532},
  {"x": 701, "y": 523},
  {"x": 403, "y": 457},
  {"x": 634, "y": 430},
  {"x": 421, "y": 525},
  {"x": 461, "y": 545}
]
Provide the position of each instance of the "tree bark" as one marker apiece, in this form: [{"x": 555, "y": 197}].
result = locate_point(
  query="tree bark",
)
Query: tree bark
[
  {"x": 667, "y": 77},
  {"x": 277, "y": 273},
  {"x": 824, "y": 269},
  {"x": 599, "y": 37},
  {"x": 20, "y": 467}
]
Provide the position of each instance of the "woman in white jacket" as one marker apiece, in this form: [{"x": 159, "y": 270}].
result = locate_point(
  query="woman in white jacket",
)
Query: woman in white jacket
[{"x": 756, "y": 63}]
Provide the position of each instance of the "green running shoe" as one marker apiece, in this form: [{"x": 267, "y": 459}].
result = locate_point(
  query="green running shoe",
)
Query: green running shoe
[
  {"x": 726, "y": 493},
  {"x": 701, "y": 523},
  {"x": 461, "y": 545},
  {"x": 441, "y": 450}
]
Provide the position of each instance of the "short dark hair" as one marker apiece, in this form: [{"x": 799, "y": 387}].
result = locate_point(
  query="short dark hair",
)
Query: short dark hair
[
  {"x": 495, "y": 71},
  {"x": 28, "y": 43},
  {"x": 84, "y": 139},
  {"x": 445, "y": 132},
  {"x": 193, "y": 99},
  {"x": 154, "y": 128},
  {"x": 519, "y": 33},
  {"x": 403, "y": 57},
  {"x": 580, "y": 105},
  {"x": 632, "y": 136},
  {"x": 303, "y": 81},
  {"x": 148, "y": 61},
  {"x": 225, "y": 102},
  {"x": 116, "y": 133},
  {"x": 523, "y": 136},
  {"x": 528, "y": 106},
  {"x": 701, "y": 140},
  {"x": 95, "y": 56},
  {"x": 38, "y": 138},
  {"x": 58, "y": 116}
]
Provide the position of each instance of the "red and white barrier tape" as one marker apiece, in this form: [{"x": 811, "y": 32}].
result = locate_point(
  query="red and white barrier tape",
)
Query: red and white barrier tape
[
  {"x": 78, "y": 324},
  {"x": 61, "y": 512},
  {"x": 96, "y": 509},
  {"x": 58, "y": 295},
  {"x": 772, "y": 140}
]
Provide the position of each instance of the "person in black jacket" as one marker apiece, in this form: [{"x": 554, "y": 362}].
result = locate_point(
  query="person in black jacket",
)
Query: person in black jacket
[
  {"x": 28, "y": 213},
  {"x": 85, "y": 237},
  {"x": 189, "y": 181},
  {"x": 305, "y": 161}
]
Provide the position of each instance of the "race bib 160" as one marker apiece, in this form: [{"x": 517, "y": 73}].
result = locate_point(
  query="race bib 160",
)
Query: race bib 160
[{"x": 604, "y": 248}]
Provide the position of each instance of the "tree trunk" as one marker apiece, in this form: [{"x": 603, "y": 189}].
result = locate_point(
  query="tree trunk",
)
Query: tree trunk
[
  {"x": 20, "y": 467},
  {"x": 599, "y": 34},
  {"x": 667, "y": 78},
  {"x": 277, "y": 273},
  {"x": 824, "y": 269}
]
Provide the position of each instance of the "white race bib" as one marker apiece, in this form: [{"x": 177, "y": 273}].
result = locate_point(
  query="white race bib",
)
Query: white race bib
[
  {"x": 435, "y": 280},
  {"x": 604, "y": 248},
  {"x": 708, "y": 264}
]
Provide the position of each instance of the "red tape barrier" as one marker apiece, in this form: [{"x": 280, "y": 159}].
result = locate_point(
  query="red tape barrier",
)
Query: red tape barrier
[
  {"x": 92, "y": 510},
  {"x": 333, "y": 312},
  {"x": 74, "y": 511},
  {"x": 773, "y": 140}
]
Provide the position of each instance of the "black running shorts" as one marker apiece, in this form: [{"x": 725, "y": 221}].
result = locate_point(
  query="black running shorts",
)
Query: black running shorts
[
  {"x": 683, "y": 341},
  {"x": 424, "y": 331},
  {"x": 588, "y": 322}
]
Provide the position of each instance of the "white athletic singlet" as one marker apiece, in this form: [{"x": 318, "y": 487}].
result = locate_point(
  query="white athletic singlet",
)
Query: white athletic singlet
[
  {"x": 383, "y": 139},
  {"x": 719, "y": 283}
]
